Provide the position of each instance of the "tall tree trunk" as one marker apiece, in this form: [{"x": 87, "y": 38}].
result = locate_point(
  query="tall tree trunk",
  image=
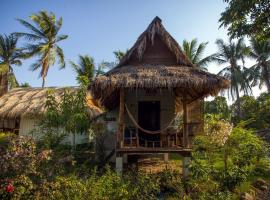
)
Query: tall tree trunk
[
  {"x": 266, "y": 77},
  {"x": 238, "y": 103},
  {"x": 3, "y": 83},
  {"x": 43, "y": 82}
]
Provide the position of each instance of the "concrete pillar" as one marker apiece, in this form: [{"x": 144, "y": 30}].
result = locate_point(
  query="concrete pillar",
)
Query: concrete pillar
[
  {"x": 186, "y": 162},
  {"x": 119, "y": 165},
  {"x": 166, "y": 157}
]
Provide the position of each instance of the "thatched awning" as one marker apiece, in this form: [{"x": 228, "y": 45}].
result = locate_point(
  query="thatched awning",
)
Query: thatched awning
[
  {"x": 157, "y": 61},
  {"x": 30, "y": 102}
]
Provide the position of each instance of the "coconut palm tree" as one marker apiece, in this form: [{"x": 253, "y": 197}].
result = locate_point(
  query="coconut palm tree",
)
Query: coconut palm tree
[
  {"x": 260, "y": 72},
  {"x": 109, "y": 65},
  {"x": 194, "y": 52},
  {"x": 230, "y": 54},
  {"x": 9, "y": 55},
  {"x": 44, "y": 35},
  {"x": 119, "y": 55},
  {"x": 85, "y": 69}
]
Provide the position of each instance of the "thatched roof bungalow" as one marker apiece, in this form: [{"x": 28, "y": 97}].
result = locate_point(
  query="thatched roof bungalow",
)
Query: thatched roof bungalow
[
  {"x": 20, "y": 108},
  {"x": 154, "y": 82}
]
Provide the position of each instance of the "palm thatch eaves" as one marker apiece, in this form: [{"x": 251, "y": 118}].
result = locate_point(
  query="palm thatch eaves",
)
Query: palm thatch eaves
[{"x": 30, "y": 102}]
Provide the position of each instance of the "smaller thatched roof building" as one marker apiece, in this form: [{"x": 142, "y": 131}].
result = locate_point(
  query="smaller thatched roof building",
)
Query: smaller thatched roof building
[{"x": 30, "y": 102}]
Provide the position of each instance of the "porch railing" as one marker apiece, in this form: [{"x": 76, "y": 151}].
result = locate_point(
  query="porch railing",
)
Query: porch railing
[{"x": 171, "y": 139}]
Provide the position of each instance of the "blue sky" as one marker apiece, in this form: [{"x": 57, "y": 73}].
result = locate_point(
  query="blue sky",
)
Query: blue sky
[{"x": 99, "y": 27}]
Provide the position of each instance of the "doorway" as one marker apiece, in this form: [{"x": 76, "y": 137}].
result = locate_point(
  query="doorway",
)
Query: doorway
[{"x": 149, "y": 119}]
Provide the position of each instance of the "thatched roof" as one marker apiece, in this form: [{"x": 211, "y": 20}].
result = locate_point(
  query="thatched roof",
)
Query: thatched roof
[
  {"x": 30, "y": 102},
  {"x": 148, "y": 37},
  {"x": 157, "y": 61}
]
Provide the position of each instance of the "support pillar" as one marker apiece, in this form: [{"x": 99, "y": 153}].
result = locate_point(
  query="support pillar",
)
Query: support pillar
[
  {"x": 185, "y": 167},
  {"x": 185, "y": 130},
  {"x": 119, "y": 165},
  {"x": 166, "y": 157},
  {"x": 121, "y": 125}
]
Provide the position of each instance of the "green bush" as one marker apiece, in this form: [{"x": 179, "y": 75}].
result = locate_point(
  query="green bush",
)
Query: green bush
[{"x": 219, "y": 168}]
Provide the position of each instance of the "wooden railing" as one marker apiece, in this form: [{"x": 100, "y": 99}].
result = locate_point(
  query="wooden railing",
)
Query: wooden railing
[{"x": 166, "y": 140}]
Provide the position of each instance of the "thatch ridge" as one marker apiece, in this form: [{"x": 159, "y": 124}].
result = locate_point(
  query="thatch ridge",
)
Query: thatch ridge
[
  {"x": 156, "y": 28},
  {"x": 30, "y": 102}
]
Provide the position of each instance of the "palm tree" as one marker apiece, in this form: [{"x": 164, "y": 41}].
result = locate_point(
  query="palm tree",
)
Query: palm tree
[
  {"x": 194, "y": 52},
  {"x": 44, "y": 32},
  {"x": 231, "y": 54},
  {"x": 9, "y": 55},
  {"x": 260, "y": 72},
  {"x": 109, "y": 65},
  {"x": 119, "y": 55},
  {"x": 85, "y": 69}
]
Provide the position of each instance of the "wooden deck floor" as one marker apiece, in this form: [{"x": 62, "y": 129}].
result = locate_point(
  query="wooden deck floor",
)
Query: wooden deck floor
[{"x": 146, "y": 150}]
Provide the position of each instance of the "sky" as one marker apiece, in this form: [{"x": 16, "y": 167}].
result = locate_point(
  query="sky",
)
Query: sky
[{"x": 99, "y": 27}]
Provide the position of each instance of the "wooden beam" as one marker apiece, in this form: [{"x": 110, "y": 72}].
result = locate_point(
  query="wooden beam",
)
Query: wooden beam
[
  {"x": 121, "y": 125},
  {"x": 185, "y": 120}
]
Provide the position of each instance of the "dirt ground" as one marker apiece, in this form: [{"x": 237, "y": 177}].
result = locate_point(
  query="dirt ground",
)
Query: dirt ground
[{"x": 157, "y": 164}]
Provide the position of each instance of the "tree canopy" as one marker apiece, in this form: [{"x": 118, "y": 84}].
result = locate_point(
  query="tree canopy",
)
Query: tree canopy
[
  {"x": 247, "y": 18},
  {"x": 44, "y": 37},
  {"x": 194, "y": 52}
]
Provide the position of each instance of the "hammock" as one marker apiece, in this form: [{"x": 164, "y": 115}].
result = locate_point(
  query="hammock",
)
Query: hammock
[{"x": 147, "y": 131}]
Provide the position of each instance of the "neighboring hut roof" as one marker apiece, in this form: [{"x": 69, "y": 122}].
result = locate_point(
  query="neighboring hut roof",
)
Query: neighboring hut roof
[
  {"x": 30, "y": 102},
  {"x": 157, "y": 61}
]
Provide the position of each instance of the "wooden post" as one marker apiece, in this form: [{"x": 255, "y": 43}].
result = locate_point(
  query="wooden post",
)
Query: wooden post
[
  {"x": 121, "y": 125},
  {"x": 185, "y": 131},
  {"x": 185, "y": 167},
  {"x": 119, "y": 165},
  {"x": 137, "y": 138}
]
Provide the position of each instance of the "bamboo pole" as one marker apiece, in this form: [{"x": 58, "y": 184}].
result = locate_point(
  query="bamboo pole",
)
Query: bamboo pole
[{"x": 121, "y": 125}]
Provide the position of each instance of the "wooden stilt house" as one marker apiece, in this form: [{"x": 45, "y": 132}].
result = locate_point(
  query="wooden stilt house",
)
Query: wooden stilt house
[{"x": 152, "y": 87}]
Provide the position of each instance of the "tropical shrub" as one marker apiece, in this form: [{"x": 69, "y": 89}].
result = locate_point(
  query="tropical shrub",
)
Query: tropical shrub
[
  {"x": 21, "y": 151},
  {"x": 219, "y": 168}
]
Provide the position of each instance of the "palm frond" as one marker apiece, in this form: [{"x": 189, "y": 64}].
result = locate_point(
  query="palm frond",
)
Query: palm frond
[
  {"x": 61, "y": 57},
  {"x": 60, "y": 38},
  {"x": 198, "y": 53},
  {"x": 31, "y": 28}
]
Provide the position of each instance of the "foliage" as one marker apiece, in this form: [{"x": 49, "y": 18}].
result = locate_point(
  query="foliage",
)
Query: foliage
[
  {"x": 218, "y": 130},
  {"x": 255, "y": 112},
  {"x": 44, "y": 37},
  {"x": 260, "y": 72},
  {"x": 218, "y": 107},
  {"x": 106, "y": 186},
  {"x": 247, "y": 17},
  {"x": 10, "y": 55},
  {"x": 194, "y": 52},
  {"x": 98, "y": 131},
  {"x": 21, "y": 151},
  {"x": 33, "y": 181},
  {"x": 231, "y": 54},
  {"x": 245, "y": 147},
  {"x": 25, "y": 85},
  {"x": 119, "y": 55},
  {"x": 70, "y": 115},
  {"x": 85, "y": 69},
  {"x": 217, "y": 169}
]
